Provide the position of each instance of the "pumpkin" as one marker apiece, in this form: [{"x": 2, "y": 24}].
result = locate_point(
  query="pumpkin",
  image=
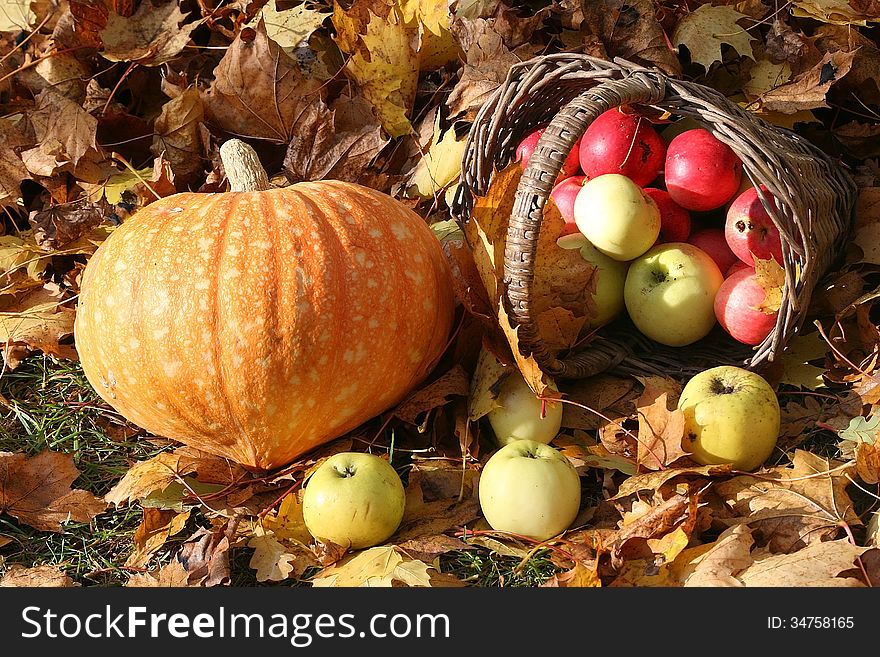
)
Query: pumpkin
[{"x": 260, "y": 323}]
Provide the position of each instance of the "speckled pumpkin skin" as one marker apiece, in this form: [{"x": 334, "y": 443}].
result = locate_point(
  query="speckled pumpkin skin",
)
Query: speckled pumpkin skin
[{"x": 259, "y": 325}]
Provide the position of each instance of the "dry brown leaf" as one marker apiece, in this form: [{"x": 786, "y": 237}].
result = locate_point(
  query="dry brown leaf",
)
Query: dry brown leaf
[
  {"x": 337, "y": 142},
  {"x": 12, "y": 170},
  {"x": 171, "y": 575},
  {"x": 594, "y": 397},
  {"x": 653, "y": 480},
  {"x": 578, "y": 576},
  {"x": 868, "y": 462},
  {"x": 660, "y": 432},
  {"x": 36, "y": 490},
  {"x": 722, "y": 559},
  {"x": 452, "y": 383},
  {"x": 205, "y": 554},
  {"x": 808, "y": 90},
  {"x": 382, "y": 566},
  {"x": 792, "y": 506},
  {"x": 46, "y": 576},
  {"x": 156, "y": 527},
  {"x": 37, "y": 322},
  {"x": 703, "y": 31},
  {"x": 258, "y": 90},
  {"x": 152, "y": 36},
  {"x": 819, "y": 564},
  {"x": 429, "y": 547},
  {"x": 177, "y": 135}
]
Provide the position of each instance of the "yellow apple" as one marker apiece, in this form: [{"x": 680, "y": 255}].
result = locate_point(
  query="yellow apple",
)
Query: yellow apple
[
  {"x": 531, "y": 489},
  {"x": 608, "y": 297},
  {"x": 731, "y": 416},
  {"x": 670, "y": 293},
  {"x": 353, "y": 499},
  {"x": 518, "y": 415},
  {"x": 617, "y": 216}
]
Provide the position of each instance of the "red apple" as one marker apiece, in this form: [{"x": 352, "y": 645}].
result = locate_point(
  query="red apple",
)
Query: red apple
[
  {"x": 530, "y": 142},
  {"x": 617, "y": 142},
  {"x": 713, "y": 242},
  {"x": 735, "y": 267},
  {"x": 563, "y": 195},
  {"x": 737, "y": 304},
  {"x": 701, "y": 172},
  {"x": 750, "y": 230},
  {"x": 675, "y": 221}
]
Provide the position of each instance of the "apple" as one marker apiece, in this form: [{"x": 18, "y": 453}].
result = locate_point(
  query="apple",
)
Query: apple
[
  {"x": 527, "y": 146},
  {"x": 670, "y": 292},
  {"x": 353, "y": 499},
  {"x": 737, "y": 306},
  {"x": 739, "y": 265},
  {"x": 531, "y": 489},
  {"x": 563, "y": 195},
  {"x": 616, "y": 215},
  {"x": 731, "y": 416},
  {"x": 750, "y": 230},
  {"x": 608, "y": 295},
  {"x": 714, "y": 242},
  {"x": 675, "y": 221},
  {"x": 623, "y": 143},
  {"x": 518, "y": 414},
  {"x": 701, "y": 172}
]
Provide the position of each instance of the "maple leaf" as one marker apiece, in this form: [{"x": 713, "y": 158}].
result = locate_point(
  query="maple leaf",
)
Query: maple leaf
[
  {"x": 819, "y": 564},
  {"x": 703, "y": 31},
  {"x": 45, "y": 576},
  {"x": 65, "y": 133},
  {"x": 36, "y": 490},
  {"x": 290, "y": 27},
  {"x": 15, "y": 15},
  {"x": 338, "y": 142},
  {"x": 382, "y": 566},
  {"x": 838, "y": 12},
  {"x": 764, "y": 76},
  {"x": 275, "y": 560},
  {"x": 258, "y": 90},
  {"x": 177, "y": 134},
  {"x": 171, "y": 575},
  {"x": 796, "y": 361},
  {"x": 150, "y": 37},
  {"x": 660, "y": 434},
  {"x": 770, "y": 275},
  {"x": 12, "y": 169},
  {"x": 808, "y": 90},
  {"x": 441, "y": 164},
  {"x": 868, "y": 461},
  {"x": 792, "y": 506},
  {"x": 156, "y": 527}
]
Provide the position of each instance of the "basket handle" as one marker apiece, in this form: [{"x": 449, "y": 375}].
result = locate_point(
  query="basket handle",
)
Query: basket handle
[{"x": 567, "y": 126}]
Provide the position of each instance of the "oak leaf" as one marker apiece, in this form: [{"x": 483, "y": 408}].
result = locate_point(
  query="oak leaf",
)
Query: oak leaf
[
  {"x": 36, "y": 490},
  {"x": 276, "y": 560}
]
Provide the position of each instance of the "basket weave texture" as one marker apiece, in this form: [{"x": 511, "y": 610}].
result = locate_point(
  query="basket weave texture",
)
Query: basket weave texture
[{"x": 814, "y": 199}]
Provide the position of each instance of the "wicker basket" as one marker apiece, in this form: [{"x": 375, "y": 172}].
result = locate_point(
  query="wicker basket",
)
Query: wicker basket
[{"x": 815, "y": 200}]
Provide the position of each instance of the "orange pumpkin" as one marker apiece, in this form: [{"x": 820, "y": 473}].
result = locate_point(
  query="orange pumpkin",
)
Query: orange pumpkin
[{"x": 257, "y": 325}]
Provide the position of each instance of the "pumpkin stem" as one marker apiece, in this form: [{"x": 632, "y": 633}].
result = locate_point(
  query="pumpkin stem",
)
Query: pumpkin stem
[{"x": 243, "y": 169}]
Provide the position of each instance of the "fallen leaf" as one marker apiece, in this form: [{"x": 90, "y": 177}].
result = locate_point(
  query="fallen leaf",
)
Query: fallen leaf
[
  {"x": 65, "y": 133},
  {"x": 205, "y": 554},
  {"x": 428, "y": 548},
  {"x": 485, "y": 385},
  {"x": 382, "y": 57},
  {"x": 764, "y": 76},
  {"x": 838, "y": 12},
  {"x": 15, "y": 15},
  {"x": 290, "y": 27},
  {"x": 792, "y": 506},
  {"x": 867, "y": 238},
  {"x": 796, "y": 361},
  {"x": 177, "y": 135},
  {"x": 593, "y": 399},
  {"x": 36, "y": 490},
  {"x": 454, "y": 382},
  {"x": 156, "y": 527},
  {"x": 276, "y": 561},
  {"x": 288, "y": 524},
  {"x": 807, "y": 90},
  {"x": 150, "y": 37},
  {"x": 703, "y": 31},
  {"x": 818, "y": 564},
  {"x": 382, "y": 566},
  {"x": 719, "y": 564},
  {"x": 653, "y": 480},
  {"x": 46, "y": 576},
  {"x": 661, "y": 430},
  {"x": 171, "y": 575},
  {"x": 579, "y": 576},
  {"x": 868, "y": 461},
  {"x": 441, "y": 164},
  {"x": 258, "y": 90}
]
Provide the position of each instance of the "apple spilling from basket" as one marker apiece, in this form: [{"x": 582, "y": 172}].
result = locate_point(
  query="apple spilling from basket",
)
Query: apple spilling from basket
[{"x": 672, "y": 228}]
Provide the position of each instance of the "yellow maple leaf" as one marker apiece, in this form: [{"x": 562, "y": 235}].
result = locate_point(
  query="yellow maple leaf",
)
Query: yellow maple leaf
[
  {"x": 382, "y": 566},
  {"x": 770, "y": 275},
  {"x": 440, "y": 166},
  {"x": 704, "y": 30},
  {"x": 290, "y": 26}
]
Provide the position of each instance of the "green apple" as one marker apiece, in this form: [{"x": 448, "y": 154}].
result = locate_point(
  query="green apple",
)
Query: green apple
[
  {"x": 531, "y": 489},
  {"x": 617, "y": 216},
  {"x": 670, "y": 293},
  {"x": 731, "y": 416},
  {"x": 518, "y": 414},
  {"x": 608, "y": 297},
  {"x": 353, "y": 499}
]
